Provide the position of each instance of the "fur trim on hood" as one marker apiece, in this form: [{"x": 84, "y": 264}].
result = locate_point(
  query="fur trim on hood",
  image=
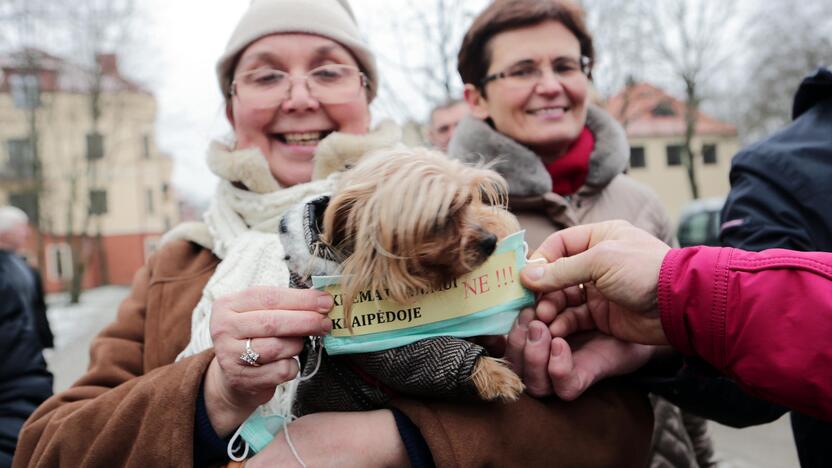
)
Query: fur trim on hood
[
  {"x": 335, "y": 153},
  {"x": 340, "y": 151},
  {"x": 247, "y": 166},
  {"x": 475, "y": 141}
]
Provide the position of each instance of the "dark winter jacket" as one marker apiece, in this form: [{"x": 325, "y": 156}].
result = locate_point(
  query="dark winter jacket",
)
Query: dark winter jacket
[
  {"x": 781, "y": 190},
  {"x": 41, "y": 321},
  {"x": 780, "y": 193},
  {"x": 24, "y": 381}
]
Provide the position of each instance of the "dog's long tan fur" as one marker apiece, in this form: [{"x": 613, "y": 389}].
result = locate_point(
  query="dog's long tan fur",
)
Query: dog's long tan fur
[{"x": 410, "y": 219}]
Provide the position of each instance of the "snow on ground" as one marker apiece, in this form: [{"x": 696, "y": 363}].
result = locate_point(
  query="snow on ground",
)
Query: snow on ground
[{"x": 74, "y": 327}]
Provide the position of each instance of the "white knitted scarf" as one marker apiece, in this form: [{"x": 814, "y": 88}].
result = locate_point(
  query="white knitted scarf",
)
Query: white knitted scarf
[{"x": 243, "y": 225}]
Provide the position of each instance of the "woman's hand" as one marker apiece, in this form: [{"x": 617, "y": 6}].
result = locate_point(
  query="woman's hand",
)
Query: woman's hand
[
  {"x": 557, "y": 347},
  {"x": 550, "y": 361},
  {"x": 619, "y": 264},
  {"x": 346, "y": 439},
  {"x": 276, "y": 320}
]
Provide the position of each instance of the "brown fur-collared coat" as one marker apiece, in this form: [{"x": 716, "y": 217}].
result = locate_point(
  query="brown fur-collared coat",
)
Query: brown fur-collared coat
[{"x": 135, "y": 406}]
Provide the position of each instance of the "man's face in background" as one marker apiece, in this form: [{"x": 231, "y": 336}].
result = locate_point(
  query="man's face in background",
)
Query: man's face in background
[{"x": 443, "y": 122}]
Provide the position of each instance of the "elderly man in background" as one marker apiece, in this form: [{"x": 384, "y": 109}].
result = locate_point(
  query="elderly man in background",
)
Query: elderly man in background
[
  {"x": 24, "y": 380},
  {"x": 443, "y": 121}
]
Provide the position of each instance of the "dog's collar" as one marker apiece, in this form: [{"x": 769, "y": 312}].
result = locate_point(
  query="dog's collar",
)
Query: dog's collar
[{"x": 300, "y": 233}]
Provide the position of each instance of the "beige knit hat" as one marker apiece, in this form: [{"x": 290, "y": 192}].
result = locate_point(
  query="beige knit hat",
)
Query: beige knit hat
[{"x": 333, "y": 19}]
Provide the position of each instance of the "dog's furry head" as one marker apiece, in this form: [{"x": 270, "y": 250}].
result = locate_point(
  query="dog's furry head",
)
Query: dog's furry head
[{"x": 411, "y": 219}]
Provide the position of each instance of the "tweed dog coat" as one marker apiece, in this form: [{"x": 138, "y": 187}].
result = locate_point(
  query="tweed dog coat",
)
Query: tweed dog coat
[{"x": 436, "y": 367}]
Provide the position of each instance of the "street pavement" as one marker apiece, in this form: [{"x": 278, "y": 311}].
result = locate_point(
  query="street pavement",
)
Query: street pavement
[{"x": 74, "y": 327}]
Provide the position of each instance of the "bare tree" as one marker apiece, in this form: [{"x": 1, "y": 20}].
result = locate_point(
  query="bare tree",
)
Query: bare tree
[
  {"x": 687, "y": 40},
  {"x": 89, "y": 32},
  {"x": 619, "y": 35},
  {"x": 417, "y": 46},
  {"x": 785, "y": 44},
  {"x": 100, "y": 28},
  {"x": 22, "y": 23}
]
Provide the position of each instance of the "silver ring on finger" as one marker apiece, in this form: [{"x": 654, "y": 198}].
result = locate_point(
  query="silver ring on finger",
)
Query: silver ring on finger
[
  {"x": 249, "y": 356},
  {"x": 582, "y": 288}
]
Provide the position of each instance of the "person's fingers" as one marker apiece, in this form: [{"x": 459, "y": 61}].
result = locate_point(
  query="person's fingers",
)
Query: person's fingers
[
  {"x": 263, "y": 378},
  {"x": 574, "y": 295},
  {"x": 275, "y": 298},
  {"x": 561, "y": 273},
  {"x": 550, "y": 305},
  {"x": 577, "y": 239},
  {"x": 572, "y": 320},
  {"x": 516, "y": 340},
  {"x": 536, "y": 359},
  {"x": 568, "y": 380},
  {"x": 270, "y": 349},
  {"x": 265, "y": 323}
]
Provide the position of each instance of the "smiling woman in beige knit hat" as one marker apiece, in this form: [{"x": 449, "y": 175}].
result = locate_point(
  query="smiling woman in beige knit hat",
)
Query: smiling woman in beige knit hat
[{"x": 210, "y": 331}]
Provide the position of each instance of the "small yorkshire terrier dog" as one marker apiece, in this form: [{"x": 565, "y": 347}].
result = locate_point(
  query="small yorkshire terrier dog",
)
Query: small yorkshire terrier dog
[{"x": 404, "y": 220}]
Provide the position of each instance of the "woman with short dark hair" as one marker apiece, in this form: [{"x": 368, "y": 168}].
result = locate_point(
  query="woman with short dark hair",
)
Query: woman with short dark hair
[{"x": 527, "y": 70}]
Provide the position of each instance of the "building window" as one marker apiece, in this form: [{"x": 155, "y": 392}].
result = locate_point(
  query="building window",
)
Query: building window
[
  {"x": 59, "y": 262},
  {"x": 28, "y": 202},
  {"x": 674, "y": 155},
  {"x": 21, "y": 157},
  {"x": 98, "y": 202},
  {"x": 663, "y": 109},
  {"x": 146, "y": 146},
  {"x": 149, "y": 201},
  {"x": 709, "y": 154},
  {"x": 165, "y": 191},
  {"x": 25, "y": 90},
  {"x": 95, "y": 146},
  {"x": 637, "y": 157}
]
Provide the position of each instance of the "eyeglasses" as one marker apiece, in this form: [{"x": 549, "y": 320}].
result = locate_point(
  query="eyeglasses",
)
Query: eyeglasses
[
  {"x": 266, "y": 88},
  {"x": 527, "y": 73}
]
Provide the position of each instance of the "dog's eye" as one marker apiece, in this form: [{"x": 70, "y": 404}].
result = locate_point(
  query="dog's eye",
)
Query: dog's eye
[{"x": 441, "y": 226}]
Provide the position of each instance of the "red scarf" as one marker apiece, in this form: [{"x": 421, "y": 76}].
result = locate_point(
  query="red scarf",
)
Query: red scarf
[{"x": 570, "y": 170}]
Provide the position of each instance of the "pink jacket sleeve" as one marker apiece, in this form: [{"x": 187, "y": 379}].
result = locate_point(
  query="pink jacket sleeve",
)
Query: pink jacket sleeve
[{"x": 764, "y": 318}]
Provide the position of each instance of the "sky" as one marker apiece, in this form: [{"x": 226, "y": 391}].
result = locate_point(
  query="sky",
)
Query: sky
[{"x": 186, "y": 38}]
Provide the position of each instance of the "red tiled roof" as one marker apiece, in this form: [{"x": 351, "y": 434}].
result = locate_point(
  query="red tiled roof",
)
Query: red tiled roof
[
  {"x": 634, "y": 109},
  {"x": 57, "y": 74}
]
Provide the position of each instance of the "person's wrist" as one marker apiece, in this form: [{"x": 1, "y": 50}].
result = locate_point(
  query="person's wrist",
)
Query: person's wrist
[
  {"x": 393, "y": 453},
  {"x": 225, "y": 411}
]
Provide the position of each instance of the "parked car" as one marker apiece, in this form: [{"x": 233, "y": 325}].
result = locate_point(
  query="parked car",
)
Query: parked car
[{"x": 699, "y": 222}]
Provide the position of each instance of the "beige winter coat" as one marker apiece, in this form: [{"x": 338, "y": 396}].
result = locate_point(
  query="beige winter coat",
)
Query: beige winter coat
[
  {"x": 607, "y": 194},
  {"x": 679, "y": 439}
]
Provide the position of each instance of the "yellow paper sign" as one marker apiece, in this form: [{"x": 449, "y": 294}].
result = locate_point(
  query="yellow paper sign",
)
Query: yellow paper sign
[{"x": 494, "y": 282}]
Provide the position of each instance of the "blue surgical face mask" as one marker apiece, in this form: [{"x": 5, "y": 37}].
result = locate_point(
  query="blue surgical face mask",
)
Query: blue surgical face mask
[
  {"x": 494, "y": 320},
  {"x": 259, "y": 430}
]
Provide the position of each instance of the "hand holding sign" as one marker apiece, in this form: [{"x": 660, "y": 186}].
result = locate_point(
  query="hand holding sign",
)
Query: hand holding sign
[{"x": 571, "y": 356}]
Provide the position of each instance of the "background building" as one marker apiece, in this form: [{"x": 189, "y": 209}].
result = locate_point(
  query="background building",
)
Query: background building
[
  {"x": 78, "y": 154},
  {"x": 655, "y": 125}
]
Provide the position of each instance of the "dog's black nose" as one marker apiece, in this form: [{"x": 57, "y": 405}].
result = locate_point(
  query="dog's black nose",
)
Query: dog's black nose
[{"x": 487, "y": 244}]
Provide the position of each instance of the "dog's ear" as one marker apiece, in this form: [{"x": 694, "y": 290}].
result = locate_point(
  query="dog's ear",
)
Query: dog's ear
[
  {"x": 491, "y": 188},
  {"x": 336, "y": 224}
]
